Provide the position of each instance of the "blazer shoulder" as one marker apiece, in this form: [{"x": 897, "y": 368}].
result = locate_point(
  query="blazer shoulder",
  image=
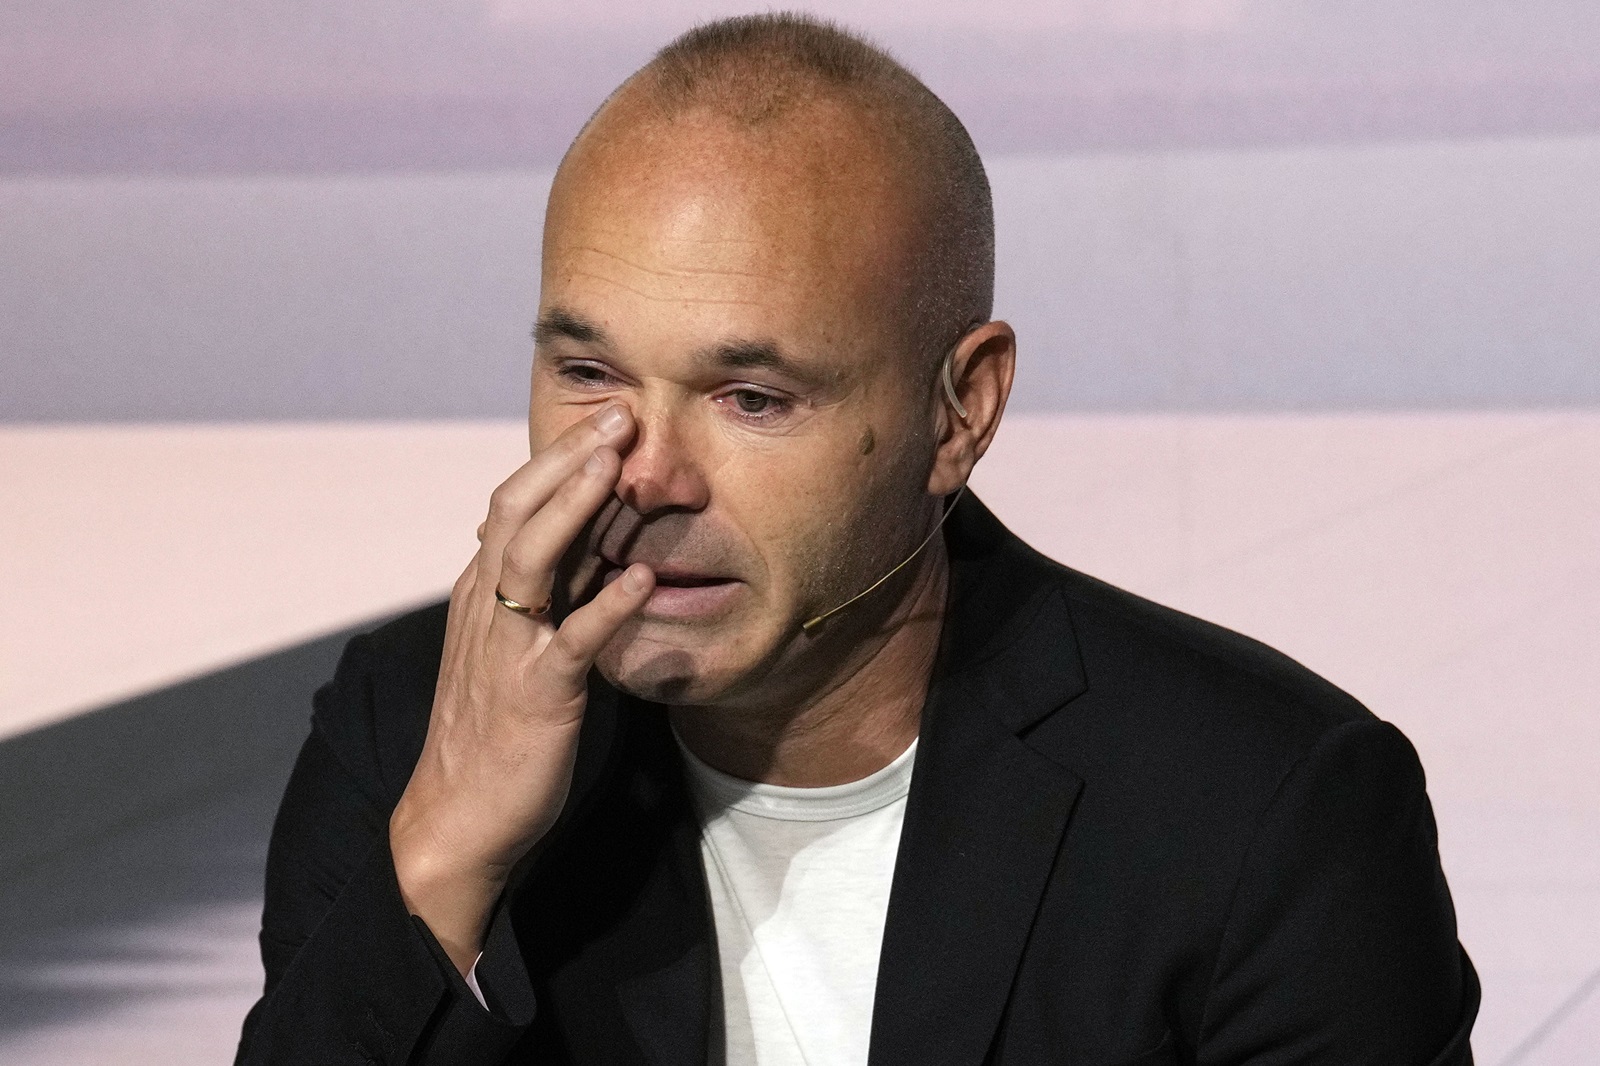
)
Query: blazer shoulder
[
  {"x": 1027, "y": 613},
  {"x": 1175, "y": 683},
  {"x": 374, "y": 713},
  {"x": 1187, "y": 642}
]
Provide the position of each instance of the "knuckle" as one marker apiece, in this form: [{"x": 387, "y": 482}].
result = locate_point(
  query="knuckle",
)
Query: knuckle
[
  {"x": 585, "y": 483},
  {"x": 519, "y": 560},
  {"x": 570, "y": 492},
  {"x": 512, "y": 565},
  {"x": 501, "y": 500},
  {"x": 563, "y": 646}
]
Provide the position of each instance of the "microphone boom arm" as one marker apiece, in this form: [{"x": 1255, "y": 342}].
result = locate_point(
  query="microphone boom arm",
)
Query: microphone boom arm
[{"x": 811, "y": 626}]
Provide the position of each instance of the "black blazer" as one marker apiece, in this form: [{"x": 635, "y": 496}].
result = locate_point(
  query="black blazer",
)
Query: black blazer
[{"x": 1132, "y": 838}]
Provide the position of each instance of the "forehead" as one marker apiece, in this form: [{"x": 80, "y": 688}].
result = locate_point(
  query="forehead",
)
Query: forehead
[{"x": 805, "y": 219}]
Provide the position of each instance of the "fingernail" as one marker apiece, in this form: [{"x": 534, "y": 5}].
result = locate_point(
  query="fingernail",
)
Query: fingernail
[
  {"x": 594, "y": 464},
  {"x": 633, "y": 579},
  {"x": 610, "y": 419}
]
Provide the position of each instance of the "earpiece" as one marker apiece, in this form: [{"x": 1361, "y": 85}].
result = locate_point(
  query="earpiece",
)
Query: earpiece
[{"x": 949, "y": 383}]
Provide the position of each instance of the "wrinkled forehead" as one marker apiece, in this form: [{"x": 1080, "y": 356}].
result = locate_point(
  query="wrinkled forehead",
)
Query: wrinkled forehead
[{"x": 810, "y": 210}]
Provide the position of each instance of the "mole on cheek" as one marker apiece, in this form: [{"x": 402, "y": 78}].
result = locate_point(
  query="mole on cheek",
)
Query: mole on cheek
[{"x": 868, "y": 442}]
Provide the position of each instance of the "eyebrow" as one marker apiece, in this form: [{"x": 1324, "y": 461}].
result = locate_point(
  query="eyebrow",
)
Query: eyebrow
[
  {"x": 742, "y": 355},
  {"x": 558, "y": 322},
  {"x": 760, "y": 355}
]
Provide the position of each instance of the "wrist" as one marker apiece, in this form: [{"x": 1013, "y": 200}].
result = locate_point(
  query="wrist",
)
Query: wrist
[{"x": 454, "y": 897}]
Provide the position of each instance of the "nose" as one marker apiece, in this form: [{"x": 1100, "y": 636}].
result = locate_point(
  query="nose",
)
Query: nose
[{"x": 659, "y": 469}]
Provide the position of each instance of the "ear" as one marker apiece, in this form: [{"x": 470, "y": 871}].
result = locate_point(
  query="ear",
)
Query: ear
[{"x": 981, "y": 370}]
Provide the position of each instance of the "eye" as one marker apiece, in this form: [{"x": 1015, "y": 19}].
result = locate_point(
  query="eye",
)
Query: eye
[
  {"x": 752, "y": 403},
  {"x": 583, "y": 374},
  {"x": 756, "y": 406}
]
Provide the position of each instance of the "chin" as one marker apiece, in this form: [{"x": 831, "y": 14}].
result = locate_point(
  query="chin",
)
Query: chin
[{"x": 673, "y": 666}]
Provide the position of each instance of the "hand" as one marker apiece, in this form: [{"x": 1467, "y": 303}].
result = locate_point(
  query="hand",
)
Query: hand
[{"x": 497, "y": 763}]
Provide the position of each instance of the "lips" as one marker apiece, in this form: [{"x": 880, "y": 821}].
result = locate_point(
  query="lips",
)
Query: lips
[
  {"x": 667, "y": 573},
  {"x": 695, "y": 562},
  {"x": 683, "y": 595},
  {"x": 688, "y": 581}
]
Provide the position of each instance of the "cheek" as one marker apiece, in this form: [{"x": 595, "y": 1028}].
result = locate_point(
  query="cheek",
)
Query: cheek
[
  {"x": 547, "y": 421},
  {"x": 773, "y": 496},
  {"x": 815, "y": 517}
]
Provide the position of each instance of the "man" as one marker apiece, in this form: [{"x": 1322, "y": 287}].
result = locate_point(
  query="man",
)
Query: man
[{"x": 747, "y": 738}]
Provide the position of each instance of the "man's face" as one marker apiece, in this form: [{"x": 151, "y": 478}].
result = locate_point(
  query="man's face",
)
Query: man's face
[{"x": 741, "y": 294}]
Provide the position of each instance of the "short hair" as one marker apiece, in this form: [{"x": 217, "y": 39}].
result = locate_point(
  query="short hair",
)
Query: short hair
[{"x": 753, "y": 69}]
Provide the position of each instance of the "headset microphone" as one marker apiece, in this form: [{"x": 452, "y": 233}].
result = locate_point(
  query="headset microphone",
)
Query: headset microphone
[{"x": 961, "y": 412}]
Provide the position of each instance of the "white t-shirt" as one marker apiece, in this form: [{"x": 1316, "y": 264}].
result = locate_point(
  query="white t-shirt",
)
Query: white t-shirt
[{"x": 799, "y": 881}]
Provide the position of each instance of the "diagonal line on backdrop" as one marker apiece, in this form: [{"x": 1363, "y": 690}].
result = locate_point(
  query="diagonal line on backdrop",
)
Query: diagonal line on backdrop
[
  {"x": 1445, "y": 472},
  {"x": 1543, "y": 1030}
]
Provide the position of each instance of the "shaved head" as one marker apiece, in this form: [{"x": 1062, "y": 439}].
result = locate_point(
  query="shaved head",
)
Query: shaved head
[{"x": 773, "y": 76}]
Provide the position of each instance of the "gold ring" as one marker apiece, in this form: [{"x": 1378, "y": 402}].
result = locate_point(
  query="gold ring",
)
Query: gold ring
[{"x": 520, "y": 608}]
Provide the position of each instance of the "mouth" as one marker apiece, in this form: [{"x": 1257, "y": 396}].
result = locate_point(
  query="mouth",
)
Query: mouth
[
  {"x": 683, "y": 595},
  {"x": 687, "y": 581}
]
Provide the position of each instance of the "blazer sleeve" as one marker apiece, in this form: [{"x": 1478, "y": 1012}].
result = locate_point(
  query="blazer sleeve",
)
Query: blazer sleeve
[
  {"x": 351, "y": 977},
  {"x": 1340, "y": 945}
]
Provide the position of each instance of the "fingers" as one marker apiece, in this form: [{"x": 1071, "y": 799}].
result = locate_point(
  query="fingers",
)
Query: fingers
[
  {"x": 571, "y": 652},
  {"x": 529, "y": 559},
  {"x": 521, "y": 495}
]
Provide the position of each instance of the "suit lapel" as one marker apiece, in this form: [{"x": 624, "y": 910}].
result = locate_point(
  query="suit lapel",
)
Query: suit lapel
[
  {"x": 986, "y": 813},
  {"x": 627, "y": 913},
  {"x": 669, "y": 1008},
  {"x": 667, "y": 982}
]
